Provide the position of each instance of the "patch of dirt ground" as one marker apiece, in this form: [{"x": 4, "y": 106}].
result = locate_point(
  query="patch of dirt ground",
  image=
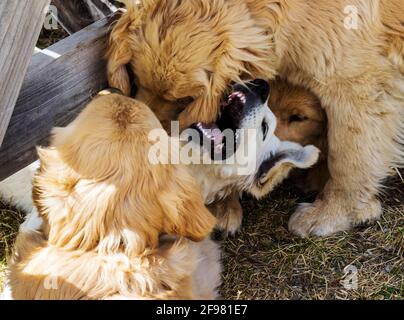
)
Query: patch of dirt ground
[{"x": 265, "y": 261}]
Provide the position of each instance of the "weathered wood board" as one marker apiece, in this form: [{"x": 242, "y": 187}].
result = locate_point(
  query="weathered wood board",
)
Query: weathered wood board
[
  {"x": 59, "y": 82},
  {"x": 20, "y": 25}
]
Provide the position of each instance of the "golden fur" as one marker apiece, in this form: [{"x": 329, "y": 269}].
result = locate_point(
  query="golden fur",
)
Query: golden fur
[
  {"x": 301, "y": 119},
  {"x": 114, "y": 225},
  {"x": 188, "y": 52},
  {"x": 105, "y": 208},
  {"x": 172, "y": 68}
]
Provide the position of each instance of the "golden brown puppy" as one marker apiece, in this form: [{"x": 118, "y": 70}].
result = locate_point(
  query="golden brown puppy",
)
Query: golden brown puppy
[
  {"x": 105, "y": 208},
  {"x": 350, "y": 53},
  {"x": 300, "y": 118},
  {"x": 115, "y": 222},
  {"x": 186, "y": 53}
]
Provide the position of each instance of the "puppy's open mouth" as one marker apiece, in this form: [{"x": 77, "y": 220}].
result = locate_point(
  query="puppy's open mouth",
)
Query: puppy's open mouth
[
  {"x": 236, "y": 98},
  {"x": 218, "y": 135},
  {"x": 231, "y": 110},
  {"x": 211, "y": 135},
  {"x": 240, "y": 109}
]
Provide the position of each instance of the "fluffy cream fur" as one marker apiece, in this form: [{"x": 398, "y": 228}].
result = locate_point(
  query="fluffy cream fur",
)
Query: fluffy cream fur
[
  {"x": 105, "y": 207},
  {"x": 115, "y": 226}
]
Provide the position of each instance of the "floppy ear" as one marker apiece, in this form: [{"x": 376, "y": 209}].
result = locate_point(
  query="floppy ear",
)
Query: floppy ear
[
  {"x": 119, "y": 52},
  {"x": 277, "y": 168},
  {"x": 185, "y": 211}
]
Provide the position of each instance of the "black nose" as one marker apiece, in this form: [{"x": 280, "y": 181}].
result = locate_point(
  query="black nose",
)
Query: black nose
[{"x": 261, "y": 88}]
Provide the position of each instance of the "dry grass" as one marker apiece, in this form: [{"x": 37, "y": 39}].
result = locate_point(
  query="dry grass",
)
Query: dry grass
[
  {"x": 265, "y": 262},
  {"x": 10, "y": 220}
]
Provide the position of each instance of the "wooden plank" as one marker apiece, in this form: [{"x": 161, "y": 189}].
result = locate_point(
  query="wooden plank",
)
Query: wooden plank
[
  {"x": 59, "y": 82},
  {"x": 75, "y": 15},
  {"x": 20, "y": 25}
]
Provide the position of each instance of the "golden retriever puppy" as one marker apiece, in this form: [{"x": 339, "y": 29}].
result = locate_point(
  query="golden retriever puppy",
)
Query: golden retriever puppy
[
  {"x": 184, "y": 54},
  {"x": 301, "y": 119},
  {"x": 349, "y": 53},
  {"x": 105, "y": 211},
  {"x": 116, "y": 223}
]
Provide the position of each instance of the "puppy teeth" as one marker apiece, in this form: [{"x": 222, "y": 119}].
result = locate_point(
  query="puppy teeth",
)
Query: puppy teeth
[{"x": 237, "y": 95}]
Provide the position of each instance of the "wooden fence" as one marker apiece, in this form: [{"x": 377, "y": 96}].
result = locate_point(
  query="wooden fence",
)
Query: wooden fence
[{"x": 47, "y": 88}]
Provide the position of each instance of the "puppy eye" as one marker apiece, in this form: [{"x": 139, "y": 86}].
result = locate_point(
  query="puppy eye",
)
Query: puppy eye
[
  {"x": 297, "y": 118},
  {"x": 265, "y": 129},
  {"x": 185, "y": 101}
]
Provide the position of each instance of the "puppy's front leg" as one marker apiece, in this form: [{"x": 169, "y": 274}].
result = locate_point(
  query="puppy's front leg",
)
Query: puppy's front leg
[
  {"x": 364, "y": 131},
  {"x": 228, "y": 212}
]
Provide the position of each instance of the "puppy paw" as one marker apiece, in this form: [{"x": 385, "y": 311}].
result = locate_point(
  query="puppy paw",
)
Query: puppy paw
[
  {"x": 367, "y": 211},
  {"x": 229, "y": 214},
  {"x": 230, "y": 221},
  {"x": 318, "y": 220},
  {"x": 324, "y": 219}
]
